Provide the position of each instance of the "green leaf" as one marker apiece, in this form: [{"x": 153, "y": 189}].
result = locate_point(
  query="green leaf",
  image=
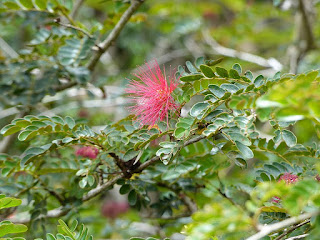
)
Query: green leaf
[
  {"x": 50, "y": 236},
  {"x": 214, "y": 62},
  {"x": 289, "y": 138},
  {"x": 26, "y": 159},
  {"x": 191, "y": 78},
  {"x": 12, "y": 5},
  {"x": 38, "y": 124},
  {"x": 238, "y": 68},
  {"x": 207, "y": 71},
  {"x": 249, "y": 75},
  {"x": 91, "y": 180},
  {"x": 130, "y": 154},
  {"x": 41, "y": 4},
  {"x": 22, "y": 123},
  {"x": 83, "y": 182},
  {"x": 74, "y": 225},
  {"x": 230, "y": 87},
  {"x": 179, "y": 132},
  {"x": 34, "y": 151},
  {"x": 41, "y": 37},
  {"x": 222, "y": 72},
  {"x": 240, "y": 138},
  {"x": 25, "y": 135},
  {"x": 74, "y": 51},
  {"x": 265, "y": 177},
  {"x": 58, "y": 119},
  {"x": 198, "y": 108},
  {"x": 26, "y": 3},
  {"x": 70, "y": 122},
  {"x": 124, "y": 189},
  {"x": 234, "y": 74},
  {"x": 10, "y": 129},
  {"x": 191, "y": 68},
  {"x": 7, "y": 228},
  {"x": 8, "y": 202},
  {"x": 132, "y": 197},
  {"x": 216, "y": 90},
  {"x": 245, "y": 151},
  {"x": 258, "y": 81},
  {"x": 199, "y": 61}
]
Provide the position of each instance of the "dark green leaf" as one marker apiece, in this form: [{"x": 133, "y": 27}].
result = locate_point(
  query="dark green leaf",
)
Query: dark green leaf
[
  {"x": 234, "y": 74},
  {"x": 207, "y": 71},
  {"x": 132, "y": 197},
  {"x": 222, "y": 72},
  {"x": 191, "y": 78},
  {"x": 124, "y": 189}
]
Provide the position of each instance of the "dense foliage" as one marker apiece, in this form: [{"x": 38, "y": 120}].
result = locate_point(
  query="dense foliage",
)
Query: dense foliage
[{"x": 210, "y": 150}]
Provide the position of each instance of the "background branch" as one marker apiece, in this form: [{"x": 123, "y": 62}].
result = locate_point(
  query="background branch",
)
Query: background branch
[
  {"x": 76, "y": 8},
  {"x": 61, "y": 211},
  {"x": 135, "y": 4},
  {"x": 265, "y": 230},
  {"x": 268, "y": 63},
  {"x": 304, "y": 39},
  {"x": 292, "y": 229}
]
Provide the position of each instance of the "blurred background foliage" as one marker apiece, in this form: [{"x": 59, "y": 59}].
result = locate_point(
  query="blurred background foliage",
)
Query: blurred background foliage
[{"x": 33, "y": 40}]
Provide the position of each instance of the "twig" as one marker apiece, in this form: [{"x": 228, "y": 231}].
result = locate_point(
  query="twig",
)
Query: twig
[
  {"x": 304, "y": 41},
  {"x": 268, "y": 63},
  {"x": 298, "y": 237},
  {"x": 65, "y": 86},
  {"x": 135, "y": 4},
  {"x": 291, "y": 230},
  {"x": 265, "y": 230},
  {"x": 76, "y": 8},
  {"x": 7, "y": 49},
  {"x": 67, "y": 25},
  {"x": 58, "y": 212},
  {"x": 307, "y": 23}
]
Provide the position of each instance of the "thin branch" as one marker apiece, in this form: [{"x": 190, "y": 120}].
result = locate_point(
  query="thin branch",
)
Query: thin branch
[
  {"x": 76, "y": 8},
  {"x": 298, "y": 237},
  {"x": 268, "y": 63},
  {"x": 304, "y": 38},
  {"x": 65, "y": 86},
  {"x": 265, "y": 230},
  {"x": 292, "y": 229},
  {"x": 58, "y": 212},
  {"x": 307, "y": 23},
  {"x": 67, "y": 25},
  {"x": 135, "y": 4}
]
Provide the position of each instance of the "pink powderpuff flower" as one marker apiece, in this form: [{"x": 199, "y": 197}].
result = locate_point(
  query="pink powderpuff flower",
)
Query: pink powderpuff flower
[
  {"x": 289, "y": 179},
  {"x": 151, "y": 96},
  {"x": 87, "y": 151}
]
